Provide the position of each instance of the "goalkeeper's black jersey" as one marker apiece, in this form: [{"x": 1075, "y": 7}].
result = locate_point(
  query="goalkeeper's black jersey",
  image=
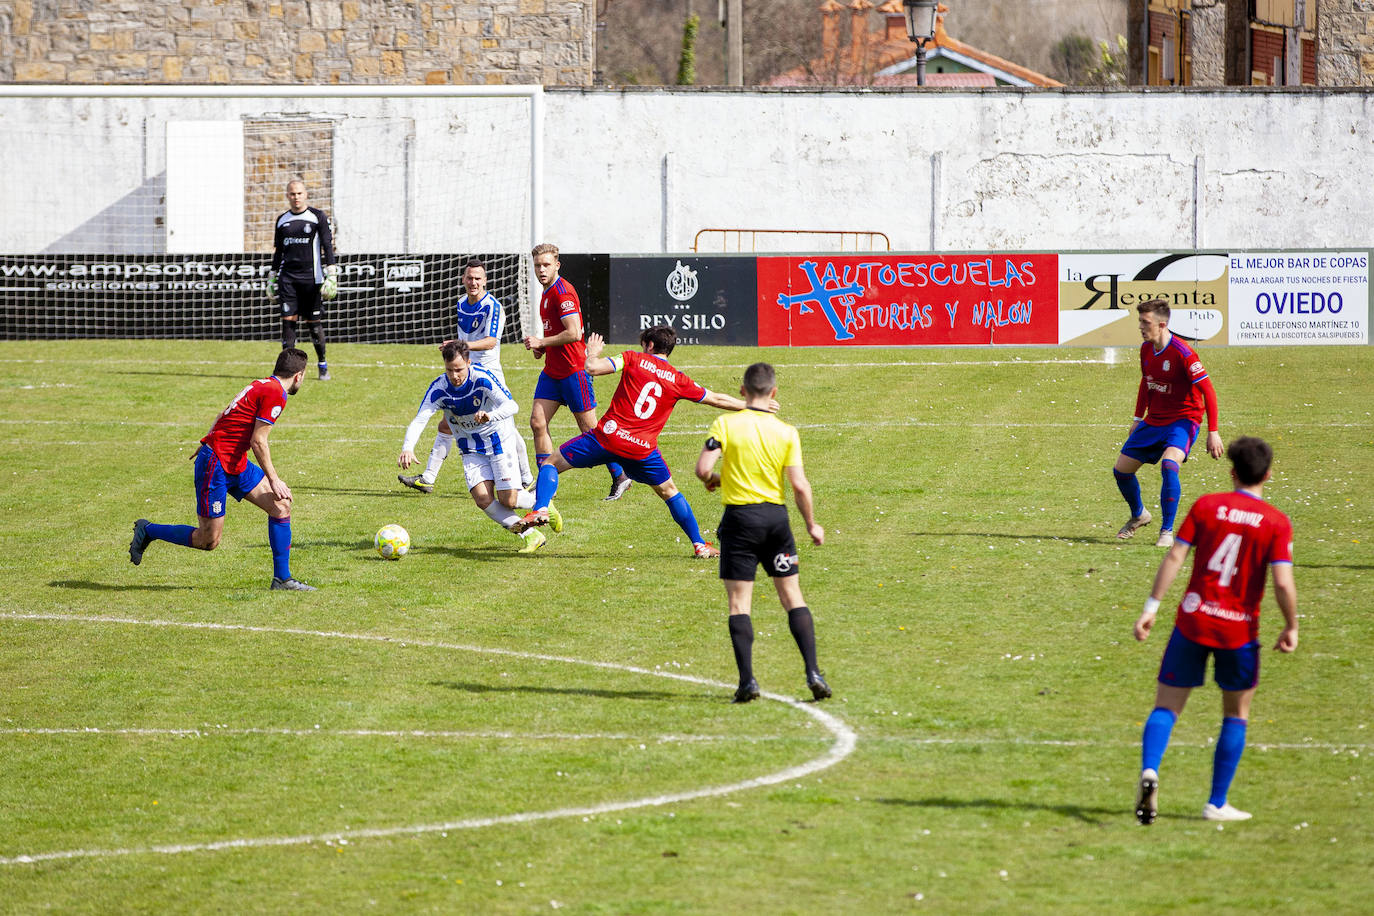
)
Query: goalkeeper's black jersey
[{"x": 303, "y": 245}]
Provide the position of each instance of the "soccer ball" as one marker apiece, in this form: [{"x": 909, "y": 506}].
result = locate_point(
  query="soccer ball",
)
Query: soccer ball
[{"x": 392, "y": 542}]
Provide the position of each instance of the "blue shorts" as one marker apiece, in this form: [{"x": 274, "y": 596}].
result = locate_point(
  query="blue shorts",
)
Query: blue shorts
[
  {"x": 575, "y": 391},
  {"x": 1147, "y": 443},
  {"x": 212, "y": 484},
  {"x": 586, "y": 452},
  {"x": 1185, "y": 664}
]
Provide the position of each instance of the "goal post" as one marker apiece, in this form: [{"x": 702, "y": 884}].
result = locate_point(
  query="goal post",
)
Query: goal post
[{"x": 148, "y": 211}]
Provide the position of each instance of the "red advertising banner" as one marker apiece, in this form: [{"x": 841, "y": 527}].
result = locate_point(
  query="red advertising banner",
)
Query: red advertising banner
[{"x": 906, "y": 300}]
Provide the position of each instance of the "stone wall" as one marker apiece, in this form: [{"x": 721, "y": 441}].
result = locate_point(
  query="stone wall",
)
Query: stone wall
[
  {"x": 548, "y": 42},
  {"x": 1207, "y": 43},
  {"x": 1345, "y": 43}
]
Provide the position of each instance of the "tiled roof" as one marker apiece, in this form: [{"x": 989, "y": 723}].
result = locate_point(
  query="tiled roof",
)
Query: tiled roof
[{"x": 860, "y": 61}]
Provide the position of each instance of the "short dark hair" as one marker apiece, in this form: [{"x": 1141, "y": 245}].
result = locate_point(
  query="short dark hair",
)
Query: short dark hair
[
  {"x": 474, "y": 262},
  {"x": 452, "y": 348},
  {"x": 290, "y": 361},
  {"x": 760, "y": 379},
  {"x": 661, "y": 336},
  {"x": 1251, "y": 457},
  {"x": 1158, "y": 307}
]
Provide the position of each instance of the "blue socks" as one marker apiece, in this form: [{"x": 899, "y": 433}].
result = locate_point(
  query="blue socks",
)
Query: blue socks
[
  {"x": 1230, "y": 745},
  {"x": 681, "y": 511},
  {"x": 1130, "y": 489},
  {"x": 1169, "y": 492},
  {"x": 1155, "y": 739},
  {"x": 546, "y": 485},
  {"x": 1225, "y": 759},
  {"x": 615, "y": 469},
  {"x": 279, "y": 539},
  {"x": 172, "y": 534}
]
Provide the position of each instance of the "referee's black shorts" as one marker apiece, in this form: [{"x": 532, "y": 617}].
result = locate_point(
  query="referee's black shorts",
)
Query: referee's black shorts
[{"x": 754, "y": 534}]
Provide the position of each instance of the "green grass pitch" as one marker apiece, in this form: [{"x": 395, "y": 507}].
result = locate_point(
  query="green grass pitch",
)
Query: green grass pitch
[{"x": 472, "y": 731}]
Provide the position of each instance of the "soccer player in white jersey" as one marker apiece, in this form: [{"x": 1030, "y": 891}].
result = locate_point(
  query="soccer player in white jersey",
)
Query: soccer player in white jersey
[
  {"x": 479, "y": 409},
  {"x": 481, "y": 321}
]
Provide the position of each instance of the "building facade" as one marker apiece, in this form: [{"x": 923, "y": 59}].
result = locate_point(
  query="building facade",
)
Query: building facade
[{"x": 1251, "y": 42}]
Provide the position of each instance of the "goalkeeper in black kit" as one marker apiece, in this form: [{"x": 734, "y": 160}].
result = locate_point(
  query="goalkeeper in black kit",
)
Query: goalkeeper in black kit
[{"x": 304, "y": 274}]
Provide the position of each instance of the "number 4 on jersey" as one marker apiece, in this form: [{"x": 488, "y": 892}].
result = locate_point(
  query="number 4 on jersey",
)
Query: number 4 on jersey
[{"x": 1225, "y": 559}]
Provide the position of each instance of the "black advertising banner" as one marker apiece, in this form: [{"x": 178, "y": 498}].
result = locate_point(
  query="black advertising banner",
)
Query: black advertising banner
[
  {"x": 383, "y": 298},
  {"x": 707, "y": 300},
  {"x": 590, "y": 275}
]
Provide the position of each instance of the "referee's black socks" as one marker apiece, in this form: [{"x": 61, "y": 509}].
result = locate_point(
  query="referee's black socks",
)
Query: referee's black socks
[
  {"x": 742, "y": 638},
  {"x": 804, "y": 632}
]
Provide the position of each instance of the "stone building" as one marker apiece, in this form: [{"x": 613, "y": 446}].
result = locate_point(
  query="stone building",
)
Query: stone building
[
  {"x": 1251, "y": 42},
  {"x": 549, "y": 42}
]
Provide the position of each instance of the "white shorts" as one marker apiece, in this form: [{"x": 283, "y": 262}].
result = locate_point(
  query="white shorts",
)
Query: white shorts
[{"x": 502, "y": 470}]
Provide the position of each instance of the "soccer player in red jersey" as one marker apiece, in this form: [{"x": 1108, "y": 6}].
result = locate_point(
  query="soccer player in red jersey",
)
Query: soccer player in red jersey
[
  {"x": 564, "y": 379},
  {"x": 1174, "y": 392},
  {"x": 223, "y": 469},
  {"x": 649, "y": 389},
  {"x": 1236, "y": 537}
]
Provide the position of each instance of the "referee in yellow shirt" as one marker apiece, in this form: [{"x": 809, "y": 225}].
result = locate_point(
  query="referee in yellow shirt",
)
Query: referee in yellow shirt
[{"x": 759, "y": 450}]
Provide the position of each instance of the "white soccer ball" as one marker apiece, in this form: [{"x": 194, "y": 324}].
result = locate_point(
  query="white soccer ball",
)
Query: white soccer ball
[{"x": 392, "y": 542}]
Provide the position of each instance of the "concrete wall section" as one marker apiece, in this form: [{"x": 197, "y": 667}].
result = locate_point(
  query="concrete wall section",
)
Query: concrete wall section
[{"x": 643, "y": 171}]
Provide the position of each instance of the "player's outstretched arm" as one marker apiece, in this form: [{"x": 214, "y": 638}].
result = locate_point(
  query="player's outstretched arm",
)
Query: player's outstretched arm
[
  {"x": 413, "y": 431},
  {"x": 1286, "y": 593},
  {"x": 596, "y": 363},
  {"x": 726, "y": 402}
]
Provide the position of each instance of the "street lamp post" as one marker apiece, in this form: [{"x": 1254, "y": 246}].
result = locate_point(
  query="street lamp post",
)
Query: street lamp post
[{"x": 920, "y": 28}]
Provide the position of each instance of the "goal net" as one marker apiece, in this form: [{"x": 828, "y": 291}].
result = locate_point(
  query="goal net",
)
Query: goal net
[{"x": 153, "y": 215}]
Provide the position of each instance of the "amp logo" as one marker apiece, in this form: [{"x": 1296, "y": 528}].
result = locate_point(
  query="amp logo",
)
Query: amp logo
[{"x": 404, "y": 274}]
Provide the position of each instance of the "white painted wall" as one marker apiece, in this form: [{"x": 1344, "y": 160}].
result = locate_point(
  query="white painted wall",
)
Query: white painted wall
[
  {"x": 1001, "y": 169},
  {"x": 642, "y": 171}
]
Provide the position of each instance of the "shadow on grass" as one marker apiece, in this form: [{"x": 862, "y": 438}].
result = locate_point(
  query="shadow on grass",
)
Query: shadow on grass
[
  {"x": 573, "y": 691},
  {"x": 89, "y": 586},
  {"x": 1095, "y": 816},
  {"x": 1014, "y": 537}
]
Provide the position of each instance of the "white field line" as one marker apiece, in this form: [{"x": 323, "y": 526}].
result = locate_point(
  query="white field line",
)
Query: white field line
[
  {"x": 211, "y": 731},
  {"x": 1330, "y": 748},
  {"x": 841, "y": 748}
]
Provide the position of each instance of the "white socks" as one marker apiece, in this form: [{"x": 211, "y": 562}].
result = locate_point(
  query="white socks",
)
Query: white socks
[
  {"x": 501, "y": 515},
  {"x": 443, "y": 443}
]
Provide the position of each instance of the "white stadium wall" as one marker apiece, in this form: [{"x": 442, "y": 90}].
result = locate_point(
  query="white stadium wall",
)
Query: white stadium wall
[{"x": 643, "y": 171}]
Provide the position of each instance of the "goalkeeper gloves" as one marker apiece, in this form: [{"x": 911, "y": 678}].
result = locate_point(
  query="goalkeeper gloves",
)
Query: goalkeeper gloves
[
  {"x": 272, "y": 289},
  {"x": 330, "y": 289}
]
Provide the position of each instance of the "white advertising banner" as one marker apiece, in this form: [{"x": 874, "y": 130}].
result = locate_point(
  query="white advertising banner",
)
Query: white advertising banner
[{"x": 1317, "y": 297}]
